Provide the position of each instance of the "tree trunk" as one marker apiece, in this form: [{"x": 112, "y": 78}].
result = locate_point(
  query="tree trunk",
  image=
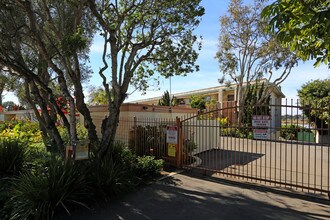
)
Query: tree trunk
[
  {"x": 109, "y": 128},
  {"x": 1, "y": 92},
  {"x": 83, "y": 109},
  {"x": 240, "y": 103},
  {"x": 50, "y": 124},
  {"x": 73, "y": 123}
]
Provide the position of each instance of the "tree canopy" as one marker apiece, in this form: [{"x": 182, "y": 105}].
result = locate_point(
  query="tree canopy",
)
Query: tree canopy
[
  {"x": 45, "y": 43},
  {"x": 97, "y": 96},
  {"x": 141, "y": 38},
  {"x": 247, "y": 53},
  {"x": 198, "y": 101},
  {"x": 315, "y": 100},
  {"x": 302, "y": 25}
]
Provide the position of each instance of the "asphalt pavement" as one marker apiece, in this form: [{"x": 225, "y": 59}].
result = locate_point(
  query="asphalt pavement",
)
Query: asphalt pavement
[{"x": 187, "y": 196}]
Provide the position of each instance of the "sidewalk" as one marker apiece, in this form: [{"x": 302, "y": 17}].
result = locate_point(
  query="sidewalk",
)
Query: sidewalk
[{"x": 183, "y": 196}]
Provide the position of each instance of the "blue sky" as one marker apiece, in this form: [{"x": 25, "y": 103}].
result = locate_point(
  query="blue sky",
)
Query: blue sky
[{"x": 209, "y": 69}]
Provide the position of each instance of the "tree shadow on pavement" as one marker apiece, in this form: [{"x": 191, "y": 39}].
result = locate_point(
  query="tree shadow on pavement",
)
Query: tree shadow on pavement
[
  {"x": 188, "y": 197},
  {"x": 219, "y": 159},
  {"x": 256, "y": 186}
]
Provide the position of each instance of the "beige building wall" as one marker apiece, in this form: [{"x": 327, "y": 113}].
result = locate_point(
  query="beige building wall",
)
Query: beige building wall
[{"x": 139, "y": 111}]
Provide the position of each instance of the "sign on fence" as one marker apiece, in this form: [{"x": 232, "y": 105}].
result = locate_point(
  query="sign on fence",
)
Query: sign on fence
[
  {"x": 171, "y": 150},
  {"x": 261, "y": 121},
  {"x": 261, "y": 125},
  {"x": 263, "y": 134},
  {"x": 172, "y": 134}
]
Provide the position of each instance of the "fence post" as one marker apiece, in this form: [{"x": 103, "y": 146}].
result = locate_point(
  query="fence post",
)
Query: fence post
[
  {"x": 135, "y": 134},
  {"x": 179, "y": 150}
]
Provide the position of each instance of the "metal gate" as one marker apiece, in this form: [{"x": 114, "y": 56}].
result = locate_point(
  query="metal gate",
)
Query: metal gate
[{"x": 271, "y": 144}]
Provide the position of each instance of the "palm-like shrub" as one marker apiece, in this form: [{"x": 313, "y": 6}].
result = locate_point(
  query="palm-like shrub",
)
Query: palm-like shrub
[
  {"x": 38, "y": 196},
  {"x": 110, "y": 177},
  {"x": 114, "y": 173},
  {"x": 11, "y": 157}
]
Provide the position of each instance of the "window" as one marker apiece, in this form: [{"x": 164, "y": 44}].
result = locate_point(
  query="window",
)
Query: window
[{"x": 230, "y": 98}]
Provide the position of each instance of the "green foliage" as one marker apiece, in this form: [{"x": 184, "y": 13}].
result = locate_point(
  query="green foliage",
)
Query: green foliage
[
  {"x": 151, "y": 37},
  {"x": 315, "y": 100},
  {"x": 148, "y": 167},
  {"x": 39, "y": 196},
  {"x": 121, "y": 152},
  {"x": 11, "y": 157},
  {"x": 49, "y": 184},
  {"x": 198, "y": 102},
  {"x": 25, "y": 131},
  {"x": 147, "y": 140},
  {"x": 223, "y": 122},
  {"x": 5, "y": 188},
  {"x": 243, "y": 132},
  {"x": 82, "y": 133},
  {"x": 114, "y": 173},
  {"x": 98, "y": 96},
  {"x": 109, "y": 177},
  {"x": 75, "y": 42},
  {"x": 166, "y": 100},
  {"x": 290, "y": 131},
  {"x": 302, "y": 25},
  {"x": 36, "y": 158},
  {"x": 256, "y": 103},
  {"x": 189, "y": 145},
  {"x": 247, "y": 53},
  {"x": 3, "y": 125}
]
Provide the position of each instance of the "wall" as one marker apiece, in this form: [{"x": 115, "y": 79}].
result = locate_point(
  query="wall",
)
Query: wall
[{"x": 140, "y": 111}]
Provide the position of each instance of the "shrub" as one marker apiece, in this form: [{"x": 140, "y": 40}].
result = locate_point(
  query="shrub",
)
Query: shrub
[
  {"x": 5, "y": 186},
  {"x": 230, "y": 132},
  {"x": 121, "y": 153},
  {"x": 110, "y": 177},
  {"x": 29, "y": 126},
  {"x": 147, "y": 167},
  {"x": 114, "y": 173},
  {"x": 11, "y": 157},
  {"x": 223, "y": 122},
  {"x": 189, "y": 145},
  {"x": 147, "y": 140},
  {"x": 3, "y": 125},
  {"x": 82, "y": 133},
  {"x": 36, "y": 158},
  {"x": 290, "y": 131},
  {"x": 25, "y": 131},
  {"x": 38, "y": 196}
]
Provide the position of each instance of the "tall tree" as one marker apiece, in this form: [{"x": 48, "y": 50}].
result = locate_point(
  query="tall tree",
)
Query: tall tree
[
  {"x": 142, "y": 37},
  {"x": 247, "y": 53},
  {"x": 315, "y": 100},
  {"x": 302, "y": 25},
  {"x": 42, "y": 42}
]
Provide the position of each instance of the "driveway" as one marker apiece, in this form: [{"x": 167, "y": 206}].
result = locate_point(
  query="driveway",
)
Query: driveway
[
  {"x": 185, "y": 196},
  {"x": 288, "y": 163}
]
